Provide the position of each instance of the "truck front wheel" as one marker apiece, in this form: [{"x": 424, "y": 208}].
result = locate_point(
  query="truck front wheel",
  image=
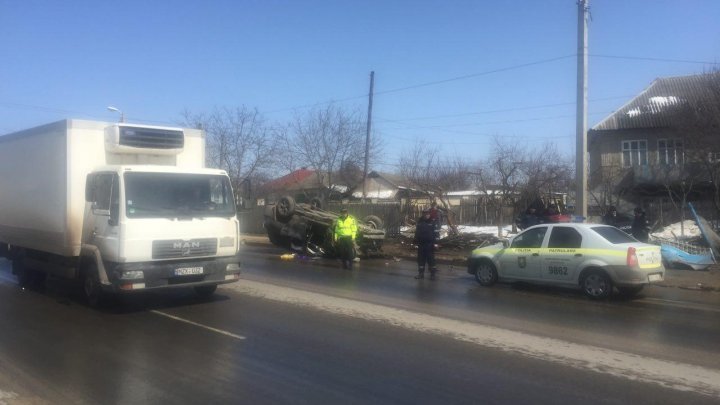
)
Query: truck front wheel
[{"x": 91, "y": 286}]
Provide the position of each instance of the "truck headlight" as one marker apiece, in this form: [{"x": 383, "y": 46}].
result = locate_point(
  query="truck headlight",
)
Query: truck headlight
[
  {"x": 227, "y": 241},
  {"x": 132, "y": 275}
]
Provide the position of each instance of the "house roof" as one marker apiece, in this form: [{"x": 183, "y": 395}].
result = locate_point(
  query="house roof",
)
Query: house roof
[
  {"x": 299, "y": 179},
  {"x": 650, "y": 108}
]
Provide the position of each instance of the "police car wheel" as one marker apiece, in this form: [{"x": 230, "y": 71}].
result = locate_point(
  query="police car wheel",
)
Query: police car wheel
[
  {"x": 486, "y": 274},
  {"x": 596, "y": 284}
]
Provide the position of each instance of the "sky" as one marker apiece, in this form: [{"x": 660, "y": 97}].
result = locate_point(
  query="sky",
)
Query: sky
[{"x": 452, "y": 75}]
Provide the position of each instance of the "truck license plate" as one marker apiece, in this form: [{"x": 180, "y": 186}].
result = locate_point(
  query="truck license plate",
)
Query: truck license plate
[
  {"x": 654, "y": 277},
  {"x": 186, "y": 271}
]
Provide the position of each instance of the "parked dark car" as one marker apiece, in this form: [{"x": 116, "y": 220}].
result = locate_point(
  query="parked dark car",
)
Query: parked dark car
[{"x": 308, "y": 228}]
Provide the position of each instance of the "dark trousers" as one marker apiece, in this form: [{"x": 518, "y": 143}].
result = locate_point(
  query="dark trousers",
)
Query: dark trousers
[
  {"x": 426, "y": 254},
  {"x": 346, "y": 250}
]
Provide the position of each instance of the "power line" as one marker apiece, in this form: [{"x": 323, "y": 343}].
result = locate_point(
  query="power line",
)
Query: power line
[
  {"x": 418, "y": 127},
  {"x": 487, "y": 72},
  {"x": 503, "y": 69},
  {"x": 468, "y": 76},
  {"x": 535, "y": 107}
]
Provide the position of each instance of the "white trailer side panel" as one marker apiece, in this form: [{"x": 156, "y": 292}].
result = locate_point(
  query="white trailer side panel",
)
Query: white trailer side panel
[{"x": 33, "y": 193}]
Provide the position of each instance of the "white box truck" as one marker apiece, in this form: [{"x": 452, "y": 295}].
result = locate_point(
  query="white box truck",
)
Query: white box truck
[{"x": 122, "y": 207}]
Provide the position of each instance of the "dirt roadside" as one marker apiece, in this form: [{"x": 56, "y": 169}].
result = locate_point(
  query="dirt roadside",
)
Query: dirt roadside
[{"x": 707, "y": 280}]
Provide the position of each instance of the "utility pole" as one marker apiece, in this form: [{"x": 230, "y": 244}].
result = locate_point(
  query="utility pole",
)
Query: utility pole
[
  {"x": 582, "y": 100},
  {"x": 367, "y": 136}
]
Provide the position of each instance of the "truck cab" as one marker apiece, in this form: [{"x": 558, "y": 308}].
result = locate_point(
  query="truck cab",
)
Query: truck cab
[{"x": 149, "y": 227}]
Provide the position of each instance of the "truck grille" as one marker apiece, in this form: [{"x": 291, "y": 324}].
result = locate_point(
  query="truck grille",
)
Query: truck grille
[
  {"x": 171, "y": 249},
  {"x": 153, "y": 138}
]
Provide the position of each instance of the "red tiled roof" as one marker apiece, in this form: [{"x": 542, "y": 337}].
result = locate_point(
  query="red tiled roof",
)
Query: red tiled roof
[{"x": 289, "y": 180}]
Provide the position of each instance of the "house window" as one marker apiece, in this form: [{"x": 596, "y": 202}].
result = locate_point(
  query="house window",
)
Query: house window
[
  {"x": 670, "y": 152},
  {"x": 634, "y": 153}
]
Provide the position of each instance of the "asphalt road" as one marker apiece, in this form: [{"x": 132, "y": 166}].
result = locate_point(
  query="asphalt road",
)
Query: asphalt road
[{"x": 306, "y": 331}]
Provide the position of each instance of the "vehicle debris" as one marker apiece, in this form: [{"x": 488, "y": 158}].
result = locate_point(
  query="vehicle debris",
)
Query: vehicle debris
[{"x": 307, "y": 228}]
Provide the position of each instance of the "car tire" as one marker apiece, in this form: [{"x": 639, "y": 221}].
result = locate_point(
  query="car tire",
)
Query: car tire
[
  {"x": 486, "y": 273},
  {"x": 373, "y": 222},
  {"x": 205, "y": 291},
  {"x": 596, "y": 284},
  {"x": 630, "y": 291},
  {"x": 285, "y": 207}
]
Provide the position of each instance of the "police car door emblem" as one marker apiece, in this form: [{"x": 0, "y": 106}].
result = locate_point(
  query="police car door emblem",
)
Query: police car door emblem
[{"x": 522, "y": 262}]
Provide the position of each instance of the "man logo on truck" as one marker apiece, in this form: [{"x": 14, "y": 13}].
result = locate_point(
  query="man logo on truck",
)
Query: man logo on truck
[{"x": 186, "y": 247}]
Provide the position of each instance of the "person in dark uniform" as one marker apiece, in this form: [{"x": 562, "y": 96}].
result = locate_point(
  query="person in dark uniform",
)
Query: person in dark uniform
[
  {"x": 425, "y": 238},
  {"x": 611, "y": 217},
  {"x": 640, "y": 227}
]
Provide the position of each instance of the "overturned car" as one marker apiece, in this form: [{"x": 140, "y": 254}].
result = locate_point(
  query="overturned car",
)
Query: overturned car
[{"x": 308, "y": 228}]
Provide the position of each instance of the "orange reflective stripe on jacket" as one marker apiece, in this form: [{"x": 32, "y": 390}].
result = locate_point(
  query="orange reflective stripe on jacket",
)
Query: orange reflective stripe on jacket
[{"x": 345, "y": 227}]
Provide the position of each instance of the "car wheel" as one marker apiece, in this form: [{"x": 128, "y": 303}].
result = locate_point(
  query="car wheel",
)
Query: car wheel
[
  {"x": 285, "y": 207},
  {"x": 373, "y": 222},
  {"x": 630, "y": 291},
  {"x": 205, "y": 290},
  {"x": 486, "y": 273},
  {"x": 596, "y": 284}
]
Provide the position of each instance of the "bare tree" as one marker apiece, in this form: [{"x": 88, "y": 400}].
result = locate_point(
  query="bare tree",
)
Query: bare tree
[
  {"x": 430, "y": 173},
  {"x": 545, "y": 172},
  {"x": 501, "y": 176},
  {"x": 327, "y": 139},
  {"x": 238, "y": 141}
]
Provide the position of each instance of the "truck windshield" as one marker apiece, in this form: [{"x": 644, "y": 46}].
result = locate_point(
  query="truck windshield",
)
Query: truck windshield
[{"x": 172, "y": 195}]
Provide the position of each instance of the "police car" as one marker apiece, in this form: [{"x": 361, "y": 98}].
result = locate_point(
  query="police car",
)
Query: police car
[{"x": 593, "y": 257}]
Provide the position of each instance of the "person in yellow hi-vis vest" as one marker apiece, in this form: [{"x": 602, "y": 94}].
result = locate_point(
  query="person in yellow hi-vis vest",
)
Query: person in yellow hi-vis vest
[{"x": 344, "y": 232}]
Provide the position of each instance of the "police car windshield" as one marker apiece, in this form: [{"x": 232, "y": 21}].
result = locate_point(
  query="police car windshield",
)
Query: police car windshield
[{"x": 613, "y": 235}]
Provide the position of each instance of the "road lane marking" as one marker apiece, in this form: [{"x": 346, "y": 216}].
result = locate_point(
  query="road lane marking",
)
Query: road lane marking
[
  {"x": 210, "y": 328},
  {"x": 670, "y": 374}
]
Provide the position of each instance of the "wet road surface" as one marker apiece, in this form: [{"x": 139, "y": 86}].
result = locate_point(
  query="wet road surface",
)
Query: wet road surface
[{"x": 307, "y": 331}]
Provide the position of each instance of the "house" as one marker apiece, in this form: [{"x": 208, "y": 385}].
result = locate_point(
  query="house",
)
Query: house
[
  {"x": 658, "y": 145},
  {"x": 303, "y": 185},
  {"x": 386, "y": 187}
]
